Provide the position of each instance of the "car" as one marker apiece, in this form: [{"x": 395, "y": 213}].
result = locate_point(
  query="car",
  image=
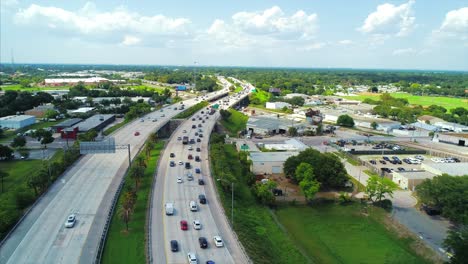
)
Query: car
[
  {"x": 197, "y": 170},
  {"x": 202, "y": 198},
  {"x": 161, "y": 110},
  {"x": 163, "y": 115},
  {"x": 218, "y": 241},
  {"x": 172, "y": 163},
  {"x": 154, "y": 120},
  {"x": 192, "y": 141},
  {"x": 198, "y": 140},
  {"x": 183, "y": 225},
  {"x": 192, "y": 258},
  {"x": 200, "y": 130},
  {"x": 189, "y": 176},
  {"x": 210, "y": 262},
  {"x": 196, "y": 224},
  {"x": 137, "y": 133},
  {"x": 198, "y": 149},
  {"x": 190, "y": 148},
  {"x": 200, "y": 118},
  {"x": 187, "y": 165},
  {"x": 200, "y": 135},
  {"x": 175, "y": 108},
  {"x": 174, "y": 246},
  {"x": 197, "y": 158},
  {"x": 382, "y": 161},
  {"x": 179, "y": 180},
  {"x": 386, "y": 158},
  {"x": 419, "y": 157},
  {"x": 142, "y": 120},
  {"x": 184, "y": 131},
  {"x": 373, "y": 162},
  {"x": 179, "y": 138},
  {"x": 203, "y": 121},
  {"x": 401, "y": 169},
  {"x": 181, "y": 162},
  {"x": 194, "y": 126},
  {"x": 203, "y": 242},
  {"x": 172, "y": 155},
  {"x": 193, "y": 119},
  {"x": 71, "y": 220},
  {"x": 430, "y": 210},
  {"x": 199, "y": 125},
  {"x": 196, "y": 133},
  {"x": 190, "y": 157},
  {"x": 201, "y": 182}
]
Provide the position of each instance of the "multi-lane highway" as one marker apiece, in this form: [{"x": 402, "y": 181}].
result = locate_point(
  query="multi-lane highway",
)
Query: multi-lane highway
[
  {"x": 86, "y": 189},
  {"x": 171, "y": 190}
]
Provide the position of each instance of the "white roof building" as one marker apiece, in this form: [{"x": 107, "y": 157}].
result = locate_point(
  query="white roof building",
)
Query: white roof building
[
  {"x": 269, "y": 162},
  {"x": 277, "y": 105},
  {"x": 453, "y": 169}
]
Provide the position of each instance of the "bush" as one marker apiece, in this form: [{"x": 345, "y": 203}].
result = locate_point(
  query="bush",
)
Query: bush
[
  {"x": 23, "y": 198},
  {"x": 385, "y": 204}
]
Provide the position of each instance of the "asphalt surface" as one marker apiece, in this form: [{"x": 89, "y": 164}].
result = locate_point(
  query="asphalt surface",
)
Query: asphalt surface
[
  {"x": 86, "y": 189},
  {"x": 165, "y": 228}
]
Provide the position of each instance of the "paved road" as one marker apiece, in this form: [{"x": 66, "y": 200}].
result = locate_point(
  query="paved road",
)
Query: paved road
[
  {"x": 211, "y": 215},
  {"x": 86, "y": 189}
]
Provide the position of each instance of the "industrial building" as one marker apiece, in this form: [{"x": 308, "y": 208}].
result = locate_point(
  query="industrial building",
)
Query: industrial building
[
  {"x": 96, "y": 122},
  {"x": 288, "y": 145},
  {"x": 453, "y": 169},
  {"x": 452, "y": 127},
  {"x": 17, "y": 121},
  {"x": 263, "y": 125},
  {"x": 40, "y": 111},
  {"x": 66, "y": 124},
  {"x": 408, "y": 180},
  {"x": 460, "y": 139},
  {"x": 277, "y": 105},
  {"x": 269, "y": 162}
]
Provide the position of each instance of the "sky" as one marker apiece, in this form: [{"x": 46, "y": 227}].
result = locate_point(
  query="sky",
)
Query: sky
[{"x": 411, "y": 34}]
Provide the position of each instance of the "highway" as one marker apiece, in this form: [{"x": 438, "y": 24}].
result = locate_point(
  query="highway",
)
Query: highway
[
  {"x": 86, "y": 189},
  {"x": 165, "y": 228}
]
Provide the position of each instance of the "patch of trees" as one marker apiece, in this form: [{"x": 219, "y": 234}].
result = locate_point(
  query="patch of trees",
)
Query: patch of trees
[
  {"x": 206, "y": 83},
  {"x": 112, "y": 91},
  {"x": 16, "y": 101},
  {"x": 345, "y": 120},
  {"x": 327, "y": 168},
  {"x": 376, "y": 189},
  {"x": 449, "y": 193}
]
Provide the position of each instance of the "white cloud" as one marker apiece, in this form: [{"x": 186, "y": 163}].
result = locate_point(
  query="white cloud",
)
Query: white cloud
[
  {"x": 313, "y": 46},
  {"x": 389, "y": 19},
  {"x": 345, "y": 42},
  {"x": 398, "y": 52},
  {"x": 88, "y": 21},
  {"x": 130, "y": 40},
  {"x": 455, "y": 25}
]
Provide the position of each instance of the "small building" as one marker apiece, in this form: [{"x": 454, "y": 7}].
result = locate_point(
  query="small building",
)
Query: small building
[
  {"x": 17, "y": 121},
  {"x": 453, "y": 169},
  {"x": 408, "y": 180},
  {"x": 66, "y": 124},
  {"x": 452, "y": 127},
  {"x": 288, "y": 145},
  {"x": 69, "y": 133},
  {"x": 96, "y": 122},
  {"x": 277, "y": 105},
  {"x": 269, "y": 162},
  {"x": 263, "y": 125},
  {"x": 39, "y": 111},
  {"x": 275, "y": 91},
  {"x": 460, "y": 139}
]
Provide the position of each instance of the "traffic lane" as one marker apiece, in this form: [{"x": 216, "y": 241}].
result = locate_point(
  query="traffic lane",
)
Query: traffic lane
[{"x": 429, "y": 229}]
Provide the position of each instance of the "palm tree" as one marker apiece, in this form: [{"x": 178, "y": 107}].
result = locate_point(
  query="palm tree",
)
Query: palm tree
[
  {"x": 140, "y": 161},
  {"x": 137, "y": 173},
  {"x": 125, "y": 214},
  {"x": 148, "y": 147}
]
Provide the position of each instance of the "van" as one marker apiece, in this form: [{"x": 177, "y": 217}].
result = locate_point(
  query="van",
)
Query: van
[
  {"x": 169, "y": 208},
  {"x": 193, "y": 206}
]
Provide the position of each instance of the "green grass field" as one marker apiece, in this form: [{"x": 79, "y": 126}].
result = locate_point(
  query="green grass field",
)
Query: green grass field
[
  {"x": 331, "y": 233},
  {"x": 236, "y": 122},
  {"x": 255, "y": 226},
  {"x": 447, "y": 102},
  {"x": 129, "y": 247},
  {"x": 17, "y": 87}
]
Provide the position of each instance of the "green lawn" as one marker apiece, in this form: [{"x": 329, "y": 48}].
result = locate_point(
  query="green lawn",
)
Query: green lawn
[
  {"x": 236, "y": 122},
  {"x": 331, "y": 233},
  {"x": 148, "y": 87},
  {"x": 17, "y": 87},
  {"x": 255, "y": 226},
  {"x": 192, "y": 110},
  {"x": 447, "y": 102},
  {"x": 263, "y": 96},
  {"x": 129, "y": 247}
]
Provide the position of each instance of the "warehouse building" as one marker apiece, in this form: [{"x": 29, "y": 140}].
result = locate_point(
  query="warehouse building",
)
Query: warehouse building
[
  {"x": 269, "y": 162},
  {"x": 453, "y": 169},
  {"x": 17, "y": 121},
  {"x": 66, "y": 124},
  {"x": 460, "y": 139},
  {"x": 96, "y": 122},
  {"x": 263, "y": 125},
  {"x": 408, "y": 180}
]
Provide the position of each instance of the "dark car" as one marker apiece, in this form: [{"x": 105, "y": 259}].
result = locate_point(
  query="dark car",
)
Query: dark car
[
  {"x": 190, "y": 156},
  {"x": 386, "y": 158},
  {"x": 198, "y": 140},
  {"x": 401, "y": 169},
  {"x": 197, "y": 170},
  {"x": 192, "y": 141},
  {"x": 172, "y": 163},
  {"x": 200, "y": 135},
  {"x": 172, "y": 155},
  {"x": 194, "y": 126},
  {"x": 203, "y": 121},
  {"x": 431, "y": 210},
  {"x": 382, "y": 161},
  {"x": 193, "y": 119},
  {"x": 200, "y": 118},
  {"x": 199, "y": 125},
  {"x": 202, "y": 198},
  {"x": 210, "y": 262},
  {"x": 373, "y": 162},
  {"x": 197, "y": 158},
  {"x": 198, "y": 149},
  {"x": 201, "y": 182},
  {"x": 203, "y": 242},
  {"x": 187, "y": 165},
  {"x": 174, "y": 246}
]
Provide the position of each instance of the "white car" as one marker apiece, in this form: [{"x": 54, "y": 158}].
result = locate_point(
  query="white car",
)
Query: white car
[
  {"x": 190, "y": 148},
  {"x": 71, "y": 220},
  {"x": 218, "y": 241},
  {"x": 180, "y": 162},
  {"x": 192, "y": 258},
  {"x": 196, "y": 224},
  {"x": 179, "y": 180}
]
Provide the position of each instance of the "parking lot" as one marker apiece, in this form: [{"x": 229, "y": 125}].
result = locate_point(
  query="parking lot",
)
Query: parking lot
[{"x": 390, "y": 163}]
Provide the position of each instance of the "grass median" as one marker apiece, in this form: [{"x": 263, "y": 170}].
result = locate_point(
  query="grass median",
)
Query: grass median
[
  {"x": 124, "y": 246},
  {"x": 192, "y": 110}
]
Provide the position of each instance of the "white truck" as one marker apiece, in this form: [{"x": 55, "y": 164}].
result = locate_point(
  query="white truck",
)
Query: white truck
[{"x": 169, "y": 208}]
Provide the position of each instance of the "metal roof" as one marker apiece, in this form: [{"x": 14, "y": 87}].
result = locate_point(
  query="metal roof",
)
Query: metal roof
[
  {"x": 68, "y": 123},
  {"x": 271, "y": 123},
  {"x": 453, "y": 169},
  {"x": 92, "y": 122},
  {"x": 271, "y": 156},
  {"x": 416, "y": 175},
  {"x": 16, "y": 117}
]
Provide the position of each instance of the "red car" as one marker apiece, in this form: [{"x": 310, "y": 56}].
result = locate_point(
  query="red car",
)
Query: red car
[
  {"x": 137, "y": 133},
  {"x": 190, "y": 156},
  {"x": 183, "y": 225}
]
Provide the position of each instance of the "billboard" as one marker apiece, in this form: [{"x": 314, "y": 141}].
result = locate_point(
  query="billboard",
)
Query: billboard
[{"x": 92, "y": 147}]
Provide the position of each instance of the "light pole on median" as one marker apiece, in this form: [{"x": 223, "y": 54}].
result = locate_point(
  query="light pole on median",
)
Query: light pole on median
[{"x": 232, "y": 200}]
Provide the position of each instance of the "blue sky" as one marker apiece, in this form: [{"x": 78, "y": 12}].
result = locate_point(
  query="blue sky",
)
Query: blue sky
[{"x": 411, "y": 34}]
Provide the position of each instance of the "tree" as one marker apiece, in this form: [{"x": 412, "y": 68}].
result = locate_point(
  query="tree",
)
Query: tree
[
  {"x": 292, "y": 131},
  {"x": 44, "y": 136},
  {"x": 306, "y": 178},
  {"x": 457, "y": 243},
  {"x": 18, "y": 142},
  {"x": 303, "y": 171},
  {"x": 297, "y": 101},
  {"x": 5, "y": 152},
  {"x": 1, "y": 132},
  {"x": 3, "y": 175},
  {"x": 345, "y": 120},
  {"x": 148, "y": 148},
  {"x": 377, "y": 187},
  {"x": 51, "y": 114},
  {"x": 225, "y": 114},
  {"x": 136, "y": 173},
  {"x": 374, "y": 125},
  {"x": 264, "y": 191},
  {"x": 125, "y": 214}
]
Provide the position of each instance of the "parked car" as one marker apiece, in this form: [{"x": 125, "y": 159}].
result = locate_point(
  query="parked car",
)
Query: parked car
[
  {"x": 198, "y": 149},
  {"x": 198, "y": 140},
  {"x": 401, "y": 169},
  {"x": 197, "y": 158},
  {"x": 174, "y": 246},
  {"x": 197, "y": 170},
  {"x": 71, "y": 220},
  {"x": 137, "y": 133},
  {"x": 373, "y": 162},
  {"x": 430, "y": 210},
  {"x": 190, "y": 156},
  {"x": 382, "y": 161}
]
